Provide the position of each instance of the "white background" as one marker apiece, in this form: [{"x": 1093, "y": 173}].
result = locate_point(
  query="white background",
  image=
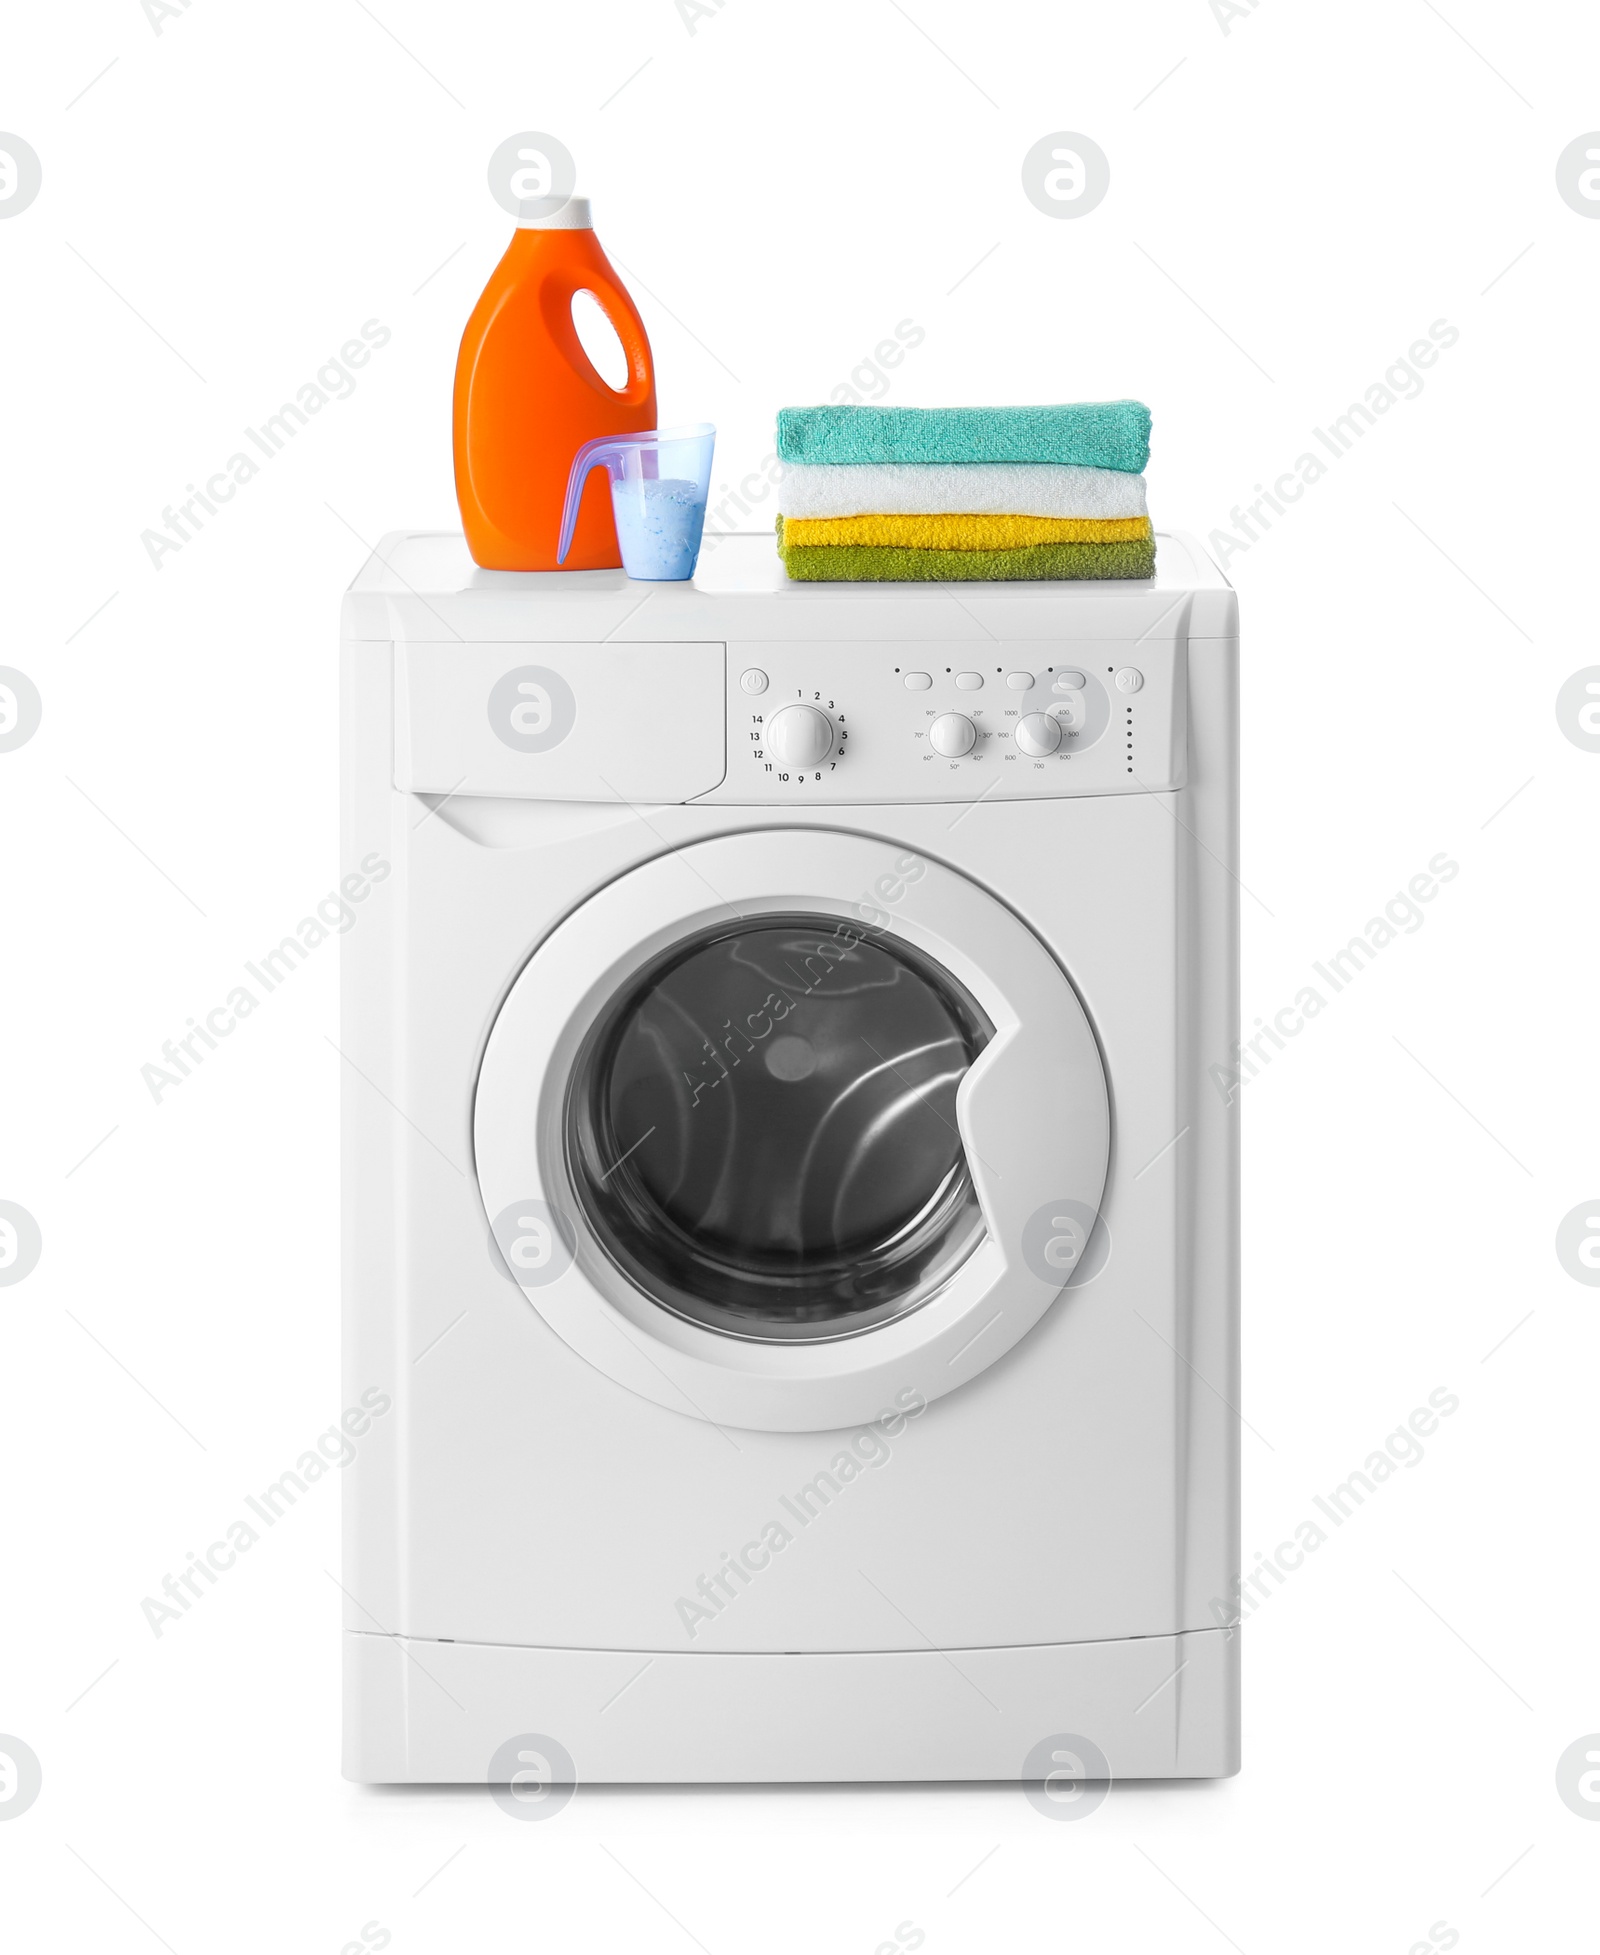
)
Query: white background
[{"x": 1295, "y": 203}]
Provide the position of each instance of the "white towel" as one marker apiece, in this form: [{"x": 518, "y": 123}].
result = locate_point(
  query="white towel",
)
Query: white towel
[{"x": 959, "y": 489}]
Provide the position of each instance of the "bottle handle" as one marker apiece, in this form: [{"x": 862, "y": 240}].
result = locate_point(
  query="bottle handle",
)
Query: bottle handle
[
  {"x": 624, "y": 320},
  {"x": 592, "y": 455}
]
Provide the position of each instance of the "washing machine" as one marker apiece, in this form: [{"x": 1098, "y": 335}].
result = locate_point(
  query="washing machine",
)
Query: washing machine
[{"x": 790, "y": 1228}]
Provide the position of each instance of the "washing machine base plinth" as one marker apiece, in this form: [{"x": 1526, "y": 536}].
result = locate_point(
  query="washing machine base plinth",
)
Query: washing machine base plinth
[{"x": 431, "y": 1712}]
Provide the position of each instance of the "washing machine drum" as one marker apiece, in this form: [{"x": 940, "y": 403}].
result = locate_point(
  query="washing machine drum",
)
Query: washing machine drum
[{"x": 762, "y": 1129}]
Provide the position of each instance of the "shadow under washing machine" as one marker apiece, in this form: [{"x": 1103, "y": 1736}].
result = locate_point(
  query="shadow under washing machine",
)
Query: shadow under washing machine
[{"x": 785, "y": 1202}]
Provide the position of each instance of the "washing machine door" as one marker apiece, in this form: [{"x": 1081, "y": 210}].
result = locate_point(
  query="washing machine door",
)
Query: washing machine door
[{"x": 791, "y": 1129}]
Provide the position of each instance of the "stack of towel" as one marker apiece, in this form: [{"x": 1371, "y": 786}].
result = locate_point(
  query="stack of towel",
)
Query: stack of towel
[{"x": 969, "y": 494}]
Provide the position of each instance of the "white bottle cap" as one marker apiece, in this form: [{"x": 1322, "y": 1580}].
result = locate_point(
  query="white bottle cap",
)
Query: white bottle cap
[{"x": 572, "y": 216}]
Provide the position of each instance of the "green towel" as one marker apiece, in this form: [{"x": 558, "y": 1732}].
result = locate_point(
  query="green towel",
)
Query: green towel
[
  {"x": 879, "y": 563},
  {"x": 1093, "y": 434}
]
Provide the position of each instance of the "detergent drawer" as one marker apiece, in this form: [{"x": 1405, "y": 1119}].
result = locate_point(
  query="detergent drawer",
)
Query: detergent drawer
[{"x": 560, "y": 722}]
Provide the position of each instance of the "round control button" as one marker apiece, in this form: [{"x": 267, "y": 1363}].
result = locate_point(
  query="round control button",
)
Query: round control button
[
  {"x": 1070, "y": 682},
  {"x": 969, "y": 681},
  {"x": 1129, "y": 679},
  {"x": 918, "y": 681},
  {"x": 1038, "y": 734},
  {"x": 754, "y": 680},
  {"x": 799, "y": 736},
  {"x": 953, "y": 734},
  {"x": 1020, "y": 681}
]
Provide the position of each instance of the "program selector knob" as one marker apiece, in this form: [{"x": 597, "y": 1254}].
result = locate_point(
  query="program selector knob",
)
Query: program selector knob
[
  {"x": 1038, "y": 734},
  {"x": 952, "y": 734},
  {"x": 799, "y": 736}
]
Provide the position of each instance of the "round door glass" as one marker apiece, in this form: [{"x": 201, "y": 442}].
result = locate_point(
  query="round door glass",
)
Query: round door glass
[{"x": 762, "y": 1130}]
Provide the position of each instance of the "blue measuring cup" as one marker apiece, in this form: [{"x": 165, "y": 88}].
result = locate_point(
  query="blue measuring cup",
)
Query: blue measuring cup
[{"x": 659, "y": 483}]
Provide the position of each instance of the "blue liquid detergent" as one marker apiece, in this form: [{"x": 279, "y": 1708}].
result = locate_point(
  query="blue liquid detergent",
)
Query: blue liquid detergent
[{"x": 658, "y": 527}]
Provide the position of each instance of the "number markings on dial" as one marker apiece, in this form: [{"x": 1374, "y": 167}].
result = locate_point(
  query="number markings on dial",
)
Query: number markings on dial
[{"x": 796, "y": 742}]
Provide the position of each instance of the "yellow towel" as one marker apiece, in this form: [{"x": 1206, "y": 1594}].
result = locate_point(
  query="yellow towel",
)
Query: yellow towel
[{"x": 964, "y": 532}]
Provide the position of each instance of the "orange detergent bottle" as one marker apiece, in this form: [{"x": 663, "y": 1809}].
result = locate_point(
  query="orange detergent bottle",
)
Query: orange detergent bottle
[{"x": 527, "y": 398}]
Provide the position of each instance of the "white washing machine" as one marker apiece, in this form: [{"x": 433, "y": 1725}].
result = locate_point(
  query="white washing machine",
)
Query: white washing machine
[{"x": 788, "y": 1224}]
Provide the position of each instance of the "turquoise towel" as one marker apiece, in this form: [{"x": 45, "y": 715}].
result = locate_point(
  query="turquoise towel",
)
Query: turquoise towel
[{"x": 1093, "y": 434}]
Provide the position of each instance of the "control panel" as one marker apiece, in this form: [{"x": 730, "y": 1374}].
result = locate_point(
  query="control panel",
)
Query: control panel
[{"x": 826, "y": 721}]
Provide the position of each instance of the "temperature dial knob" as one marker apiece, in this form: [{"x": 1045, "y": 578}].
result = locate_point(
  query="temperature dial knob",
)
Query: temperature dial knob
[
  {"x": 799, "y": 736},
  {"x": 1038, "y": 734},
  {"x": 953, "y": 734}
]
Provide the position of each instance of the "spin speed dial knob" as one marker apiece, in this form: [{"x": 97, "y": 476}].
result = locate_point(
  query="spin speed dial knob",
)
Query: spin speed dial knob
[
  {"x": 799, "y": 736},
  {"x": 1038, "y": 734}
]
